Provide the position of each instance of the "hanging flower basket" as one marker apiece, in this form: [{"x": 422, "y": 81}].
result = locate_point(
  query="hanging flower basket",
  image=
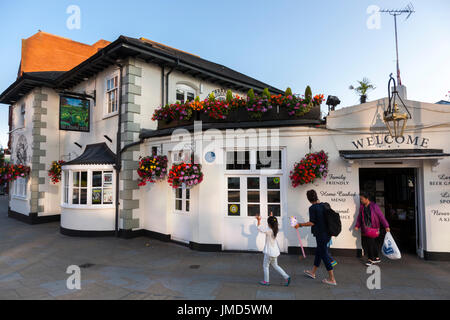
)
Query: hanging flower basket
[
  {"x": 152, "y": 169},
  {"x": 185, "y": 174},
  {"x": 55, "y": 171},
  {"x": 313, "y": 166},
  {"x": 11, "y": 172}
]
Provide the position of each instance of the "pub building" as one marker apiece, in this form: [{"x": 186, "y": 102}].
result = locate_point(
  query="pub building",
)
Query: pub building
[{"x": 91, "y": 106}]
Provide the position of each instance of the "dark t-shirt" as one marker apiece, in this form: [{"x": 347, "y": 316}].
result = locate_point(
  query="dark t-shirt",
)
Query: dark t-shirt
[
  {"x": 317, "y": 216},
  {"x": 367, "y": 217}
]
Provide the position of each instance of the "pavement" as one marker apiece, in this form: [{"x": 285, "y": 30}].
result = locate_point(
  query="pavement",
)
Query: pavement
[{"x": 34, "y": 260}]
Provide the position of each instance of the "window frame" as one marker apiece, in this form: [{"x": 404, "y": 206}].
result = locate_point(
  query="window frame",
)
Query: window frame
[
  {"x": 186, "y": 89},
  {"x": 185, "y": 200},
  {"x": 106, "y": 112},
  {"x": 253, "y": 163},
  {"x": 90, "y": 170},
  {"x": 20, "y": 188}
]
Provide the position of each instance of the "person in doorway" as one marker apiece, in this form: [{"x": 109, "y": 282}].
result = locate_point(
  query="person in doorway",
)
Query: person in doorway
[
  {"x": 369, "y": 220},
  {"x": 319, "y": 229},
  {"x": 271, "y": 250}
]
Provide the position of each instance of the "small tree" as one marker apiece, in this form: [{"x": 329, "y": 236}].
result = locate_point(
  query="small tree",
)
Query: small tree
[
  {"x": 266, "y": 93},
  {"x": 251, "y": 95},
  {"x": 308, "y": 94},
  {"x": 364, "y": 86},
  {"x": 288, "y": 92},
  {"x": 229, "y": 95}
]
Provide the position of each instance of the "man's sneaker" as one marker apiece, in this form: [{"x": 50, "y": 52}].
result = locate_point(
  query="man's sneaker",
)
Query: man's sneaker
[
  {"x": 369, "y": 263},
  {"x": 263, "y": 283}
]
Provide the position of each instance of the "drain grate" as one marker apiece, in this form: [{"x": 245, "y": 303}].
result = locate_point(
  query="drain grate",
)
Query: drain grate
[
  {"x": 86, "y": 265},
  {"x": 194, "y": 266}
]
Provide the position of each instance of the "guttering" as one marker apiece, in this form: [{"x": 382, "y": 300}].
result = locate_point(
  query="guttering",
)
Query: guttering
[
  {"x": 162, "y": 85},
  {"x": 167, "y": 79}
]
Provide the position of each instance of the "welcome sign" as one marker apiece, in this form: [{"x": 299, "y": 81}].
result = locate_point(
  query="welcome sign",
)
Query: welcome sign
[{"x": 383, "y": 140}]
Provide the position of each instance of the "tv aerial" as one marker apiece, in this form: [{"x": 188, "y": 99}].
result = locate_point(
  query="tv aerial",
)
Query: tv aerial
[{"x": 408, "y": 10}]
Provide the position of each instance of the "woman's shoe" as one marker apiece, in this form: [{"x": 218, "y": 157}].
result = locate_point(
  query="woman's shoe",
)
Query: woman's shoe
[
  {"x": 288, "y": 281},
  {"x": 309, "y": 274},
  {"x": 331, "y": 283},
  {"x": 263, "y": 283}
]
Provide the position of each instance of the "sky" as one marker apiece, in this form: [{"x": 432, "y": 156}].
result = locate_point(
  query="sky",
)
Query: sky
[{"x": 325, "y": 44}]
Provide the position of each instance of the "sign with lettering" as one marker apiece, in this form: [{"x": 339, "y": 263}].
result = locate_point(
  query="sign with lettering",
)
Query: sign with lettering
[{"x": 386, "y": 140}]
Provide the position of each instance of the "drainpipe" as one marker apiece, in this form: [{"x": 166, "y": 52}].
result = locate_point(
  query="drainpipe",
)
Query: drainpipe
[
  {"x": 118, "y": 153},
  {"x": 162, "y": 85},
  {"x": 167, "y": 80}
]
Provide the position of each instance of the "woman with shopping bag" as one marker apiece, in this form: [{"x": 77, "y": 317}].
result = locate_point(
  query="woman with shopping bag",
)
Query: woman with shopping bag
[{"x": 369, "y": 220}]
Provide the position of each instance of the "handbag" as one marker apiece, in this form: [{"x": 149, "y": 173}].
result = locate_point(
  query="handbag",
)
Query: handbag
[{"x": 368, "y": 231}]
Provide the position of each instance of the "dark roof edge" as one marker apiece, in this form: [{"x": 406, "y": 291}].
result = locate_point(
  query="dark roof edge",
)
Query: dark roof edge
[{"x": 147, "y": 133}]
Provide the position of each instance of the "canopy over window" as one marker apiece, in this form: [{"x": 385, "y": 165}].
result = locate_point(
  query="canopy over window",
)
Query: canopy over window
[
  {"x": 95, "y": 154},
  {"x": 393, "y": 154}
]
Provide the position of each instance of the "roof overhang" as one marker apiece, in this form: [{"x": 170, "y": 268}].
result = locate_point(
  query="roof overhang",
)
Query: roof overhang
[
  {"x": 94, "y": 154},
  {"x": 26, "y": 83}
]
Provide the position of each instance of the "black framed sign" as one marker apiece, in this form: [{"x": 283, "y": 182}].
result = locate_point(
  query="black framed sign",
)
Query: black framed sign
[{"x": 74, "y": 114}]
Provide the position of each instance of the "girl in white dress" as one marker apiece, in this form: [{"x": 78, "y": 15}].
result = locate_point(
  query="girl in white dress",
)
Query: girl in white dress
[{"x": 271, "y": 250}]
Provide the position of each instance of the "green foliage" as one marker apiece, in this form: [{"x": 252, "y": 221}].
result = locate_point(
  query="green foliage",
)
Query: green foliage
[
  {"x": 266, "y": 93},
  {"x": 251, "y": 94},
  {"x": 308, "y": 94},
  {"x": 288, "y": 92},
  {"x": 212, "y": 97},
  {"x": 197, "y": 99},
  {"x": 363, "y": 87},
  {"x": 229, "y": 95}
]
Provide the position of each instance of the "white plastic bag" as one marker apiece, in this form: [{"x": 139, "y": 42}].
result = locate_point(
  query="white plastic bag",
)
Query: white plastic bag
[{"x": 390, "y": 248}]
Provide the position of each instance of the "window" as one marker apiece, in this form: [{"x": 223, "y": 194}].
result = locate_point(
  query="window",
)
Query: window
[
  {"x": 254, "y": 160},
  {"x": 182, "y": 200},
  {"x": 20, "y": 187},
  {"x": 185, "y": 93},
  {"x": 112, "y": 95},
  {"x": 251, "y": 196},
  {"x": 21, "y": 117},
  {"x": 88, "y": 187}
]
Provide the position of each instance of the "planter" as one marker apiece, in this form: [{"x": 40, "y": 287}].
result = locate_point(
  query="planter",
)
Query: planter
[
  {"x": 238, "y": 115},
  {"x": 205, "y": 118},
  {"x": 313, "y": 114},
  {"x": 162, "y": 124}
]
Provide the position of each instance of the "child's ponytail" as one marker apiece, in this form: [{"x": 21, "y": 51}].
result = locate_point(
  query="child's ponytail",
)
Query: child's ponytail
[{"x": 273, "y": 224}]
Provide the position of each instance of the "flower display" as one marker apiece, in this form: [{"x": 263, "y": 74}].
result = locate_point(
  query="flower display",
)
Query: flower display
[
  {"x": 256, "y": 106},
  {"x": 151, "y": 169},
  {"x": 187, "y": 174},
  {"x": 313, "y": 166},
  {"x": 11, "y": 172},
  {"x": 55, "y": 171}
]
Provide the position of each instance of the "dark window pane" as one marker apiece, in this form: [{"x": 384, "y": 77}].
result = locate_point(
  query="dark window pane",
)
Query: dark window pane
[
  {"x": 76, "y": 196},
  {"x": 275, "y": 209},
  {"x": 268, "y": 160},
  {"x": 234, "y": 196},
  {"x": 234, "y": 183},
  {"x": 179, "y": 193},
  {"x": 253, "y": 196},
  {"x": 178, "y": 205},
  {"x": 188, "y": 194},
  {"x": 96, "y": 196},
  {"x": 187, "y": 206},
  {"x": 96, "y": 178},
  {"x": 180, "y": 96},
  {"x": 84, "y": 179},
  {"x": 190, "y": 96},
  {"x": 253, "y": 210},
  {"x": 273, "y": 196},
  {"x": 273, "y": 182},
  {"x": 234, "y": 210},
  {"x": 76, "y": 179},
  {"x": 83, "y": 196},
  {"x": 239, "y": 160},
  {"x": 253, "y": 183}
]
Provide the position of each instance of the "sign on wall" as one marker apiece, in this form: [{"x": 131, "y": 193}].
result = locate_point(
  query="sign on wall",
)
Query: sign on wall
[{"x": 74, "y": 114}]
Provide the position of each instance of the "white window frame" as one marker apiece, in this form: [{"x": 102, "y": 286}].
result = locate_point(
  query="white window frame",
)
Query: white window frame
[
  {"x": 89, "y": 170},
  {"x": 184, "y": 200},
  {"x": 262, "y": 174},
  {"x": 110, "y": 77},
  {"x": 186, "y": 90},
  {"x": 20, "y": 188}
]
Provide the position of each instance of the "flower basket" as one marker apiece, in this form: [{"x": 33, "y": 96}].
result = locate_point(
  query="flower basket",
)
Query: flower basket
[
  {"x": 185, "y": 175},
  {"x": 11, "y": 172},
  {"x": 313, "y": 166},
  {"x": 151, "y": 169},
  {"x": 55, "y": 171}
]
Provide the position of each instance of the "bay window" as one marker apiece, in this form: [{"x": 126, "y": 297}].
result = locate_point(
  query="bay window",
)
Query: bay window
[
  {"x": 185, "y": 93},
  {"x": 88, "y": 187}
]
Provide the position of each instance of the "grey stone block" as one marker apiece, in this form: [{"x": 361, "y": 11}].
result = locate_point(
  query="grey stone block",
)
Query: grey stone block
[{"x": 130, "y": 224}]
